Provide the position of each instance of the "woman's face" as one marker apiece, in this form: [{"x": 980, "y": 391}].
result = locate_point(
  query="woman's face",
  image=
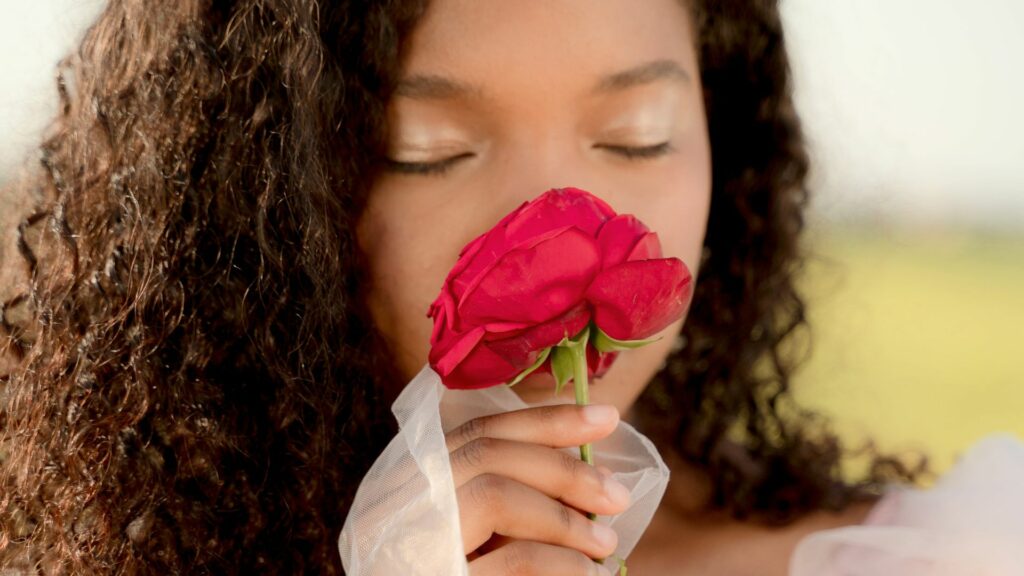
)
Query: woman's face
[{"x": 500, "y": 101}]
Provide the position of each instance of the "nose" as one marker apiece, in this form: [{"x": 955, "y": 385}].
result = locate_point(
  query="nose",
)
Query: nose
[{"x": 529, "y": 167}]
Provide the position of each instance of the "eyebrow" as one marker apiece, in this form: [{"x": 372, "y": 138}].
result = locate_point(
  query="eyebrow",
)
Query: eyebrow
[
  {"x": 643, "y": 74},
  {"x": 435, "y": 87}
]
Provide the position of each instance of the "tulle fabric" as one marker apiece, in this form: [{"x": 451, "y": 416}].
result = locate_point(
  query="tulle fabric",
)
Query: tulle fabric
[
  {"x": 404, "y": 519},
  {"x": 971, "y": 523}
]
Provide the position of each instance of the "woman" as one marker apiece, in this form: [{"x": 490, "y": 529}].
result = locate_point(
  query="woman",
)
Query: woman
[{"x": 245, "y": 209}]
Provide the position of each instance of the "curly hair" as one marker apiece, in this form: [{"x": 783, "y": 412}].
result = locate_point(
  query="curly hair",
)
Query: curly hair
[
  {"x": 190, "y": 381},
  {"x": 723, "y": 399}
]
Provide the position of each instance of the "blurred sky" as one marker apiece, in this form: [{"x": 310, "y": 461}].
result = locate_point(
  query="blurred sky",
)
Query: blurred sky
[
  {"x": 913, "y": 107},
  {"x": 34, "y": 35}
]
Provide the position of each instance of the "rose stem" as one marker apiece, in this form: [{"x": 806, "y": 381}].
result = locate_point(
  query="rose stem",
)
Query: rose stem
[{"x": 580, "y": 387}]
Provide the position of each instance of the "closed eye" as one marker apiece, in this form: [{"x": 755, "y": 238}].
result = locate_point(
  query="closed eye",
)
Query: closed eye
[
  {"x": 425, "y": 168},
  {"x": 442, "y": 166},
  {"x": 638, "y": 152}
]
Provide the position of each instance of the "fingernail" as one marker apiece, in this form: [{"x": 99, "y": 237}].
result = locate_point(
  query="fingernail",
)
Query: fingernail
[
  {"x": 599, "y": 414},
  {"x": 603, "y": 535},
  {"x": 616, "y": 492},
  {"x": 604, "y": 470}
]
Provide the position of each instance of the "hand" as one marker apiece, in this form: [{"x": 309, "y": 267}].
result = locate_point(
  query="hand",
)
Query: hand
[{"x": 522, "y": 502}]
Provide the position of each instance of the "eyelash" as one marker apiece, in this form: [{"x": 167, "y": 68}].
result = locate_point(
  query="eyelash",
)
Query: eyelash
[
  {"x": 424, "y": 168},
  {"x": 442, "y": 166},
  {"x": 641, "y": 152}
]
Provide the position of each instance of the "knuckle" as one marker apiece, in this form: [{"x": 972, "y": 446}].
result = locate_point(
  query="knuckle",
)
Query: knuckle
[
  {"x": 471, "y": 430},
  {"x": 473, "y": 454},
  {"x": 572, "y": 468},
  {"x": 566, "y": 517},
  {"x": 485, "y": 491}
]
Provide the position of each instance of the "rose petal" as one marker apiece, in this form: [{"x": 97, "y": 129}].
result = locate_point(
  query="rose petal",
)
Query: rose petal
[
  {"x": 554, "y": 209},
  {"x": 453, "y": 348},
  {"x": 636, "y": 299},
  {"x": 473, "y": 260},
  {"x": 646, "y": 248},
  {"x": 518, "y": 347},
  {"x": 499, "y": 330},
  {"x": 482, "y": 368},
  {"x": 442, "y": 310},
  {"x": 467, "y": 274},
  {"x": 468, "y": 252},
  {"x": 437, "y": 313},
  {"x": 481, "y": 253},
  {"x": 618, "y": 237},
  {"x": 533, "y": 285},
  {"x": 531, "y": 222}
]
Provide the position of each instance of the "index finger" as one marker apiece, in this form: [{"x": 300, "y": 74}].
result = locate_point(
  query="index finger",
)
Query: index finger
[{"x": 558, "y": 426}]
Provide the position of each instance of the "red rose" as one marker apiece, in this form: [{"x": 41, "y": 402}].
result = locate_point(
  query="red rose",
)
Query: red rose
[{"x": 545, "y": 272}]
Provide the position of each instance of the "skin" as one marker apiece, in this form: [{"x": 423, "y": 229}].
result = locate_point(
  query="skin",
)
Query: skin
[
  {"x": 532, "y": 118},
  {"x": 536, "y": 124}
]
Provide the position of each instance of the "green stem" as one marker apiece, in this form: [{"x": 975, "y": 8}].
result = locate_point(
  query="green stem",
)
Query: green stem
[{"x": 580, "y": 386}]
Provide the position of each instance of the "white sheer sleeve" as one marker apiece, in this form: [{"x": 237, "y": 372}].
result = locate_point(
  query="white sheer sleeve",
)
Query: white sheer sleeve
[{"x": 970, "y": 523}]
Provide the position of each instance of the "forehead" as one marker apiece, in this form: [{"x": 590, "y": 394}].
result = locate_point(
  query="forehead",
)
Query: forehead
[{"x": 547, "y": 44}]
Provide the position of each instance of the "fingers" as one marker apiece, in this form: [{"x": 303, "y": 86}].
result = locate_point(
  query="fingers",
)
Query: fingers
[
  {"x": 555, "y": 426},
  {"x": 537, "y": 559},
  {"x": 514, "y": 486},
  {"x": 552, "y": 472},
  {"x": 491, "y": 504}
]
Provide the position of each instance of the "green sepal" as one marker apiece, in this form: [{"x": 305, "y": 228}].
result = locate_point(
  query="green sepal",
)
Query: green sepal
[
  {"x": 540, "y": 360},
  {"x": 605, "y": 343},
  {"x": 561, "y": 367}
]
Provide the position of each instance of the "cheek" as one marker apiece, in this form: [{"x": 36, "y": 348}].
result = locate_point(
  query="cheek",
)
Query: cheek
[
  {"x": 683, "y": 228},
  {"x": 408, "y": 262},
  {"x": 676, "y": 207},
  {"x": 684, "y": 223},
  {"x": 674, "y": 199}
]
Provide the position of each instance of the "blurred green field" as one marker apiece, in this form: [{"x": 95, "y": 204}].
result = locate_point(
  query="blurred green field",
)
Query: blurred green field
[{"x": 918, "y": 338}]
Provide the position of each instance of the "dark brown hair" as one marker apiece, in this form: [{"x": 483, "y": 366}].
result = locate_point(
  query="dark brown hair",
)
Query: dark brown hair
[
  {"x": 722, "y": 399},
  {"x": 191, "y": 382}
]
